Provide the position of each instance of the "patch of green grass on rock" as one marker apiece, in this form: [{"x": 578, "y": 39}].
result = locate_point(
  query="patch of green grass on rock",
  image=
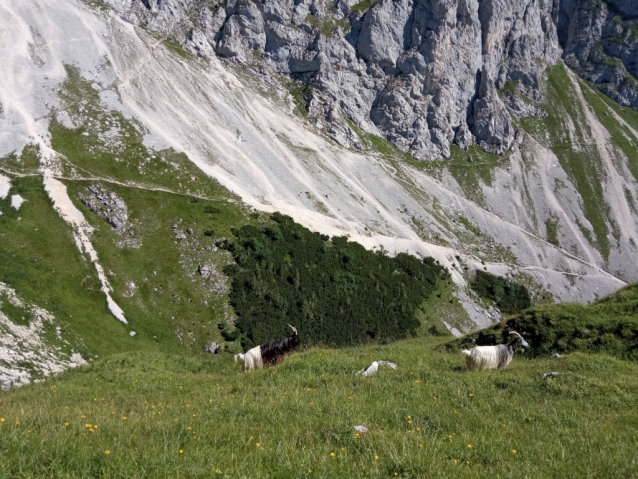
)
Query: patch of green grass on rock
[
  {"x": 567, "y": 133},
  {"x": 41, "y": 262}
]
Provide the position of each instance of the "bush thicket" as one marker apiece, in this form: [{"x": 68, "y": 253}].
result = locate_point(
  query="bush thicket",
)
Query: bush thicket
[
  {"x": 609, "y": 325},
  {"x": 510, "y": 297},
  {"x": 334, "y": 291}
]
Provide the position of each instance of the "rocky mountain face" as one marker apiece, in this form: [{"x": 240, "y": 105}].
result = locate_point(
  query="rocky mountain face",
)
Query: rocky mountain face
[
  {"x": 423, "y": 74},
  {"x": 600, "y": 41}
]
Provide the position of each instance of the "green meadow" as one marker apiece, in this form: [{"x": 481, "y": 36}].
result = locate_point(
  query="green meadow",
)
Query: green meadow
[{"x": 146, "y": 414}]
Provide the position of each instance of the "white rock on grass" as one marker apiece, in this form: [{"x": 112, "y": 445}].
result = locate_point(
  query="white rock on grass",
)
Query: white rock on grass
[
  {"x": 374, "y": 367},
  {"x": 16, "y": 201},
  {"x": 25, "y": 349},
  {"x": 5, "y": 186}
]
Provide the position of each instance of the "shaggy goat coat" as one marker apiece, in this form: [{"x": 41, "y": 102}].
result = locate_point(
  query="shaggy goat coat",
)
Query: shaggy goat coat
[
  {"x": 492, "y": 357},
  {"x": 268, "y": 354}
]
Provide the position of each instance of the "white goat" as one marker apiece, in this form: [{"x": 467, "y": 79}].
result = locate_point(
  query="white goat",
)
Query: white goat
[
  {"x": 251, "y": 359},
  {"x": 493, "y": 357}
]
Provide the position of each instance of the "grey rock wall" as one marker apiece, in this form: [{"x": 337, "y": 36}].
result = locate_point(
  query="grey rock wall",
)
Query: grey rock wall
[
  {"x": 600, "y": 41},
  {"x": 423, "y": 74}
]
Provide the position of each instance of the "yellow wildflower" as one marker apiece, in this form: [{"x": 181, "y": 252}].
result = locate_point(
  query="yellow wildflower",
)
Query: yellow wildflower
[
  {"x": 107, "y": 452},
  {"x": 513, "y": 451},
  {"x": 332, "y": 454},
  {"x": 469, "y": 446}
]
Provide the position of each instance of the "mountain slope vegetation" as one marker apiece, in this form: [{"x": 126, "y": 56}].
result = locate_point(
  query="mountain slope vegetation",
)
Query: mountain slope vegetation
[
  {"x": 334, "y": 290},
  {"x": 609, "y": 325},
  {"x": 145, "y": 414}
]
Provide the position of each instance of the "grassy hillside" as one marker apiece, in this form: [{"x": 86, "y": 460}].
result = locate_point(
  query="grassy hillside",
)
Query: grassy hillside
[
  {"x": 152, "y": 415},
  {"x": 156, "y": 276},
  {"x": 39, "y": 260}
]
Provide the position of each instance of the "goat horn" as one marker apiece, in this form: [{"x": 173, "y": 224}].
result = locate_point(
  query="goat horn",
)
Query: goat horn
[
  {"x": 293, "y": 328},
  {"x": 515, "y": 333}
]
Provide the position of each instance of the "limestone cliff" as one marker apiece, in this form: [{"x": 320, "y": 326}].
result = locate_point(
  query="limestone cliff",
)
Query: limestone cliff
[
  {"x": 600, "y": 41},
  {"x": 422, "y": 74}
]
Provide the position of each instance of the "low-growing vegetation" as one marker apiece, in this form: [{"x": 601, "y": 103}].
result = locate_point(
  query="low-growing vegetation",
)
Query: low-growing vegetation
[
  {"x": 509, "y": 296},
  {"x": 608, "y": 326},
  {"x": 40, "y": 261},
  {"x": 334, "y": 291},
  {"x": 150, "y": 415}
]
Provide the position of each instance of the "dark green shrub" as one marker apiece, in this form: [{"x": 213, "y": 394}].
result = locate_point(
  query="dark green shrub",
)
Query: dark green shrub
[
  {"x": 211, "y": 209},
  {"x": 334, "y": 291},
  {"x": 510, "y": 297}
]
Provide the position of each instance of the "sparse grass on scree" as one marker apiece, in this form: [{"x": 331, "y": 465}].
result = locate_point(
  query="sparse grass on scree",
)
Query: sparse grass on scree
[
  {"x": 105, "y": 144},
  {"x": 152, "y": 415},
  {"x": 566, "y": 132}
]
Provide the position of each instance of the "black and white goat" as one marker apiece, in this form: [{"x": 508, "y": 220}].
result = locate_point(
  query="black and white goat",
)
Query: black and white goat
[
  {"x": 268, "y": 354},
  {"x": 493, "y": 357}
]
